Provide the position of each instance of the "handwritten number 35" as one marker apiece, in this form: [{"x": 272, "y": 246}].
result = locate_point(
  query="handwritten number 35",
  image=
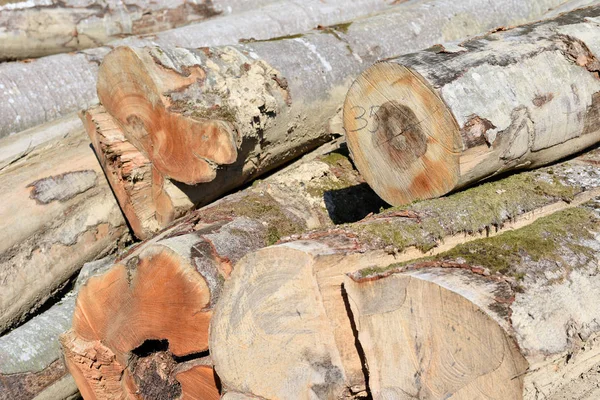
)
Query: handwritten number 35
[{"x": 372, "y": 118}]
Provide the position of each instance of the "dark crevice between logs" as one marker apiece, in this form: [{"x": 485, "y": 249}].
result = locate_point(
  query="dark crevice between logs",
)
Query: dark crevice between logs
[{"x": 359, "y": 349}]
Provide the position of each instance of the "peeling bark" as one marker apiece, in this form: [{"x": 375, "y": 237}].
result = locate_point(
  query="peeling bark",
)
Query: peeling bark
[
  {"x": 57, "y": 213},
  {"x": 494, "y": 105},
  {"x": 498, "y": 248},
  {"x": 225, "y": 115}
]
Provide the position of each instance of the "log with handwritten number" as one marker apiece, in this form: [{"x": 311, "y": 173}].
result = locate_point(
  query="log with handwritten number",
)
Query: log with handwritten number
[{"x": 424, "y": 124}]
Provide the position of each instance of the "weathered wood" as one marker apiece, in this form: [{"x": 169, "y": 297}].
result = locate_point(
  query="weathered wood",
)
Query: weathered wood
[
  {"x": 37, "y": 91},
  {"x": 57, "y": 213},
  {"x": 166, "y": 288},
  {"x": 31, "y": 362},
  {"x": 284, "y": 312},
  {"x": 38, "y": 28},
  {"x": 427, "y": 123},
  {"x": 193, "y": 111}
]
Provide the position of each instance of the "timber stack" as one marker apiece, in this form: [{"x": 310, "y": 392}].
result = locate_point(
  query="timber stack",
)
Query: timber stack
[{"x": 427, "y": 224}]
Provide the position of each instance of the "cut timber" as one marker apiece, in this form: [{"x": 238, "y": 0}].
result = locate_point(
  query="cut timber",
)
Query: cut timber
[
  {"x": 193, "y": 111},
  {"x": 42, "y": 27},
  {"x": 37, "y": 91},
  {"x": 31, "y": 362},
  {"x": 424, "y": 124},
  {"x": 160, "y": 296},
  {"x": 57, "y": 212},
  {"x": 151, "y": 202},
  {"x": 284, "y": 309},
  {"x": 510, "y": 317}
]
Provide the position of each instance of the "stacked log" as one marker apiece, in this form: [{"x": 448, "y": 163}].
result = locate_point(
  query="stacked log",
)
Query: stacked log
[
  {"x": 38, "y": 91},
  {"x": 40, "y": 27},
  {"x": 424, "y": 124},
  {"x": 31, "y": 362},
  {"x": 483, "y": 294},
  {"x": 57, "y": 213},
  {"x": 155, "y": 304},
  {"x": 217, "y": 117}
]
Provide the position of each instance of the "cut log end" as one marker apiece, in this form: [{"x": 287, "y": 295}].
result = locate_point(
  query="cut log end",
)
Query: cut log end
[
  {"x": 132, "y": 86},
  {"x": 394, "y": 121},
  {"x": 147, "y": 327},
  {"x": 454, "y": 348}
]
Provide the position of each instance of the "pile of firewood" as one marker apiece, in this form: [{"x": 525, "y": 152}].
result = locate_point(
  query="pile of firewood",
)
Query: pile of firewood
[{"x": 426, "y": 223}]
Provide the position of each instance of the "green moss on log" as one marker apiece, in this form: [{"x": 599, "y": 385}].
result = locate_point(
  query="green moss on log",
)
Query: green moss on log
[
  {"x": 482, "y": 208},
  {"x": 559, "y": 238}
]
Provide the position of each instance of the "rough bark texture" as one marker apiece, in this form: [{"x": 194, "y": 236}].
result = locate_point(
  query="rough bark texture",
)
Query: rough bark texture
[
  {"x": 41, "y": 90},
  {"x": 43, "y": 27},
  {"x": 284, "y": 312},
  {"x": 424, "y": 124},
  {"x": 164, "y": 290},
  {"x": 31, "y": 362},
  {"x": 57, "y": 213}
]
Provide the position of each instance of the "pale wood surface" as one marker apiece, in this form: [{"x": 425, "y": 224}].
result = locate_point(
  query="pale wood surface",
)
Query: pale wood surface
[
  {"x": 166, "y": 287},
  {"x": 279, "y": 306}
]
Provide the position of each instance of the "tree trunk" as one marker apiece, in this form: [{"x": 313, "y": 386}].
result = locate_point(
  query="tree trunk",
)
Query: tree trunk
[
  {"x": 41, "y": 90},
  {"x": 39, "y": 28},
  {"x": 31, "y": 363},
  {"x": 427, "y": 123},
  {"x": 284, "y": 313},
  {"x": 57, "y": 213},
  {"x": 160, "y": 296}
]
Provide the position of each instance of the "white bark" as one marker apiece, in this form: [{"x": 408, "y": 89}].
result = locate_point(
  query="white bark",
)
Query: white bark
[
  {"x": 36, "y": 28},
  {"x": 55, "y": 86},
  {"x": 508, "y": 100}
]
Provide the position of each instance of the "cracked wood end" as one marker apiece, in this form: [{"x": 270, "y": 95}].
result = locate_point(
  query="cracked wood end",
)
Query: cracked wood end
[
  {"x": 132, "y": 86},
  {"x": 157, "y": 294}
]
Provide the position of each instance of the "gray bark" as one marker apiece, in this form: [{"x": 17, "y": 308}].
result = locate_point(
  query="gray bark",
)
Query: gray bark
[
  {"x": 276, "y": 95},
  {"x": 509, "y": 100}
]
